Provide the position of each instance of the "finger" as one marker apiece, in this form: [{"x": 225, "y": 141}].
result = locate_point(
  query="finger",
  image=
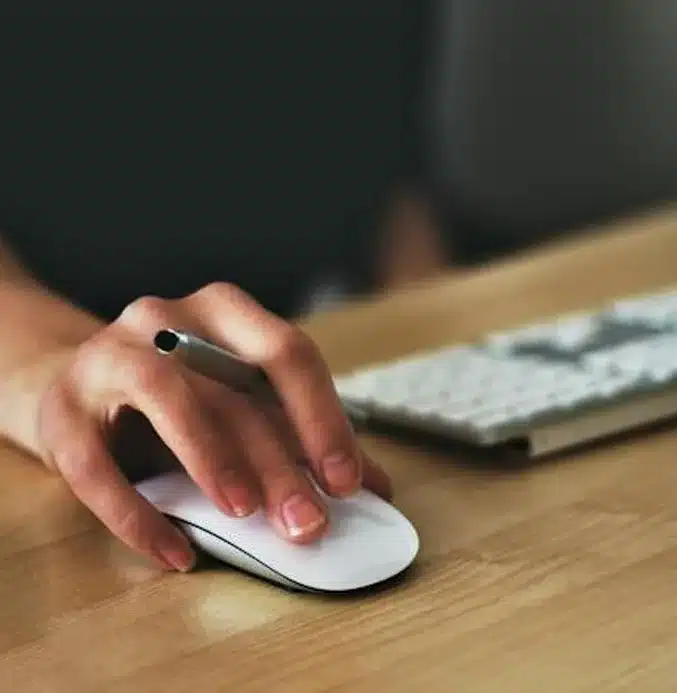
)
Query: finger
[
  {"x": 164, "y": 393},
  {"x": 291, "y": 502},
  {"x": 299, "y": 375},
  {"x": 146, "y": 315},
  {"x": 236, "y": 489},
  {"x": 374, "y": 477},
  {"x": 78, "y": 452}
]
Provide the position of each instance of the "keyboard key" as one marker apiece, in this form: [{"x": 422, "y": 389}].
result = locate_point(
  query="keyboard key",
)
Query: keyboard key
[
  {"x": 657, "y": 311},
  {"x": 484, "y": 389}
]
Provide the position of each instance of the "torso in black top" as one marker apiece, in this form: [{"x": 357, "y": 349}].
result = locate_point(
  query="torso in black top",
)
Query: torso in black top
[
  {"x": 156, "y": 154},
  {"x": 254, "y": 142}
]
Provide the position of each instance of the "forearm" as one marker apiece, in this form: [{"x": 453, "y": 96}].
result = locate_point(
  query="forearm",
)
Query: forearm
[
  {"x": 39, "y": 331},
  {"x": 411, "y": 246}
]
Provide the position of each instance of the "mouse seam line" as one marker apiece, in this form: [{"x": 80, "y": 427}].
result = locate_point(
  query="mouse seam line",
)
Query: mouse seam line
[{"x": 246, "y": 553}]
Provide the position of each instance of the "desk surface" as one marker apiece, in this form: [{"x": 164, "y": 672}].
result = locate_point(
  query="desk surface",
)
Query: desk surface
[{"x": 561, "y": 577}]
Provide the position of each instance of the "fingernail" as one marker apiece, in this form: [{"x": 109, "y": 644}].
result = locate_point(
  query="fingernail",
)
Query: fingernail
[
  {"x": 179, "y": 555},
  {"x": 341, "y": 473},
  {"x": 301, "y": 516},
  {"x": 240, "y": 501},
  {"x": 236, "y": 495}
]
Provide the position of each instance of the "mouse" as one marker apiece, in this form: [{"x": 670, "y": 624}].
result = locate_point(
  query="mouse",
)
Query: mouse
[{"x": 368, "y": 541}]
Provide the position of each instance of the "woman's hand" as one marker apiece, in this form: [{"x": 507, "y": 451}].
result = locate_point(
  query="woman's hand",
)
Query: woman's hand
[{"x": 242, "y": 457}]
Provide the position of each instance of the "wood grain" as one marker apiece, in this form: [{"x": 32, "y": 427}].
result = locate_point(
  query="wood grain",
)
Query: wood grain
[{"x": 560, "y": 577}]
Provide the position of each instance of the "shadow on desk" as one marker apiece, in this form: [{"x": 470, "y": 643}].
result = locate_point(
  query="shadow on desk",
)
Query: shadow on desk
[
  {"x": 508, "y": 458},
  {"x": 209, "y": 564}
]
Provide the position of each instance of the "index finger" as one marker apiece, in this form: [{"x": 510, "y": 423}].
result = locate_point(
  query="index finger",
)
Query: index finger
[{"x": 299, "y": 375}]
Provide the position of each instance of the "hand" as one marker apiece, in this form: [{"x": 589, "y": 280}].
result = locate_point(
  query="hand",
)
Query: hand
[{"x": 243, "y": 458}]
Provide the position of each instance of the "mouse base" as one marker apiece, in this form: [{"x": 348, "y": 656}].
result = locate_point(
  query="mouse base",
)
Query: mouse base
[{"x": 209, "y": 563}]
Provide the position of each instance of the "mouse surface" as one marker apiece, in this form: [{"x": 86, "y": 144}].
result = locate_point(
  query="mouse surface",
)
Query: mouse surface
[{"x": 368, "y": 540}]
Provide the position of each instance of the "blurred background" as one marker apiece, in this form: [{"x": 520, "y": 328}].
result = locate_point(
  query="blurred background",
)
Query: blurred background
[{"x": 325, "y": 149}]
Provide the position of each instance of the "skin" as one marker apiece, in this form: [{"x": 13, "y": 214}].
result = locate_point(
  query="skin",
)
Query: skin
[
  {"x": 97, "y": 404},
  {"x": 84, "y": 391}
]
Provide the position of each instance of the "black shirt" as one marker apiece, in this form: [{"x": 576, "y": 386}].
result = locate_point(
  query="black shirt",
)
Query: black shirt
[
  {"x": 162, "y": 145},
  {"x": 153, "y": 152}
]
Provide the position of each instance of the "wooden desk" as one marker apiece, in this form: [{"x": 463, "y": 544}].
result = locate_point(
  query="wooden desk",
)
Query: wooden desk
[{"x": 560, "y": 578}]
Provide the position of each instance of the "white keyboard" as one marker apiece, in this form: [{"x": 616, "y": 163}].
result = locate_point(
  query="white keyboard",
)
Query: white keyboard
[{"x": 551, "y": 385}]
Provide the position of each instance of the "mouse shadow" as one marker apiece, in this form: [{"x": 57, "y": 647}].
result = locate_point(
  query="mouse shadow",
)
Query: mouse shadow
[{"x": 209, "y": 564}]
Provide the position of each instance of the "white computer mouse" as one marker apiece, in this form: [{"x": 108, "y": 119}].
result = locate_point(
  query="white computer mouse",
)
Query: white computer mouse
[{"x": 368, "y": 542}]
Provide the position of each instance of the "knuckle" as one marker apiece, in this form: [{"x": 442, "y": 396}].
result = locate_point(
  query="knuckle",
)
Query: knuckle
[
  {"x": 291, "y": 346},
  {"x": 90, "y": 354},
  {"x": 145, "y": 310},
  {"x": 221, "y": 291},
  {"x": 88, "y": 374}
]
